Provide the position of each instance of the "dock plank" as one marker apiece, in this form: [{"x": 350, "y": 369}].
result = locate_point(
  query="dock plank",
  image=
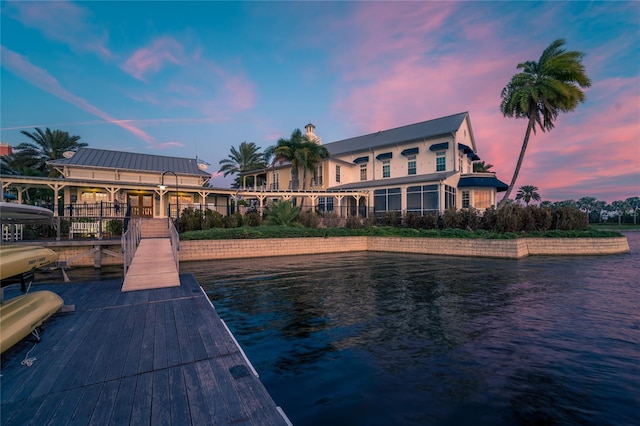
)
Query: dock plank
[{"x": 160, "y": 356}]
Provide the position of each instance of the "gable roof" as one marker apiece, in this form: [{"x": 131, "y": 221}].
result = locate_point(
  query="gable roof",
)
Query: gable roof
[
  {"x": 102, "y": 158},
  {"x": 413, "y": 132}
]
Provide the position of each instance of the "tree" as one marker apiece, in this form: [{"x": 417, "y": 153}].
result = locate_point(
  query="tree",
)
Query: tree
[
  {"x": 620, "y": 207},
  {"x": 46, "y": 146},
  {"x": 481, "y": 167},
  {"x": 282, "y": 213},
  {"x": 587, "y": 204},
  {"x": 634, "y": 205},
  {"x": 541, "y": 91},
  {"x": 528, "y": 193},
  {"x": 291, "y": 150},
  {"x": 244, "y": 159}
]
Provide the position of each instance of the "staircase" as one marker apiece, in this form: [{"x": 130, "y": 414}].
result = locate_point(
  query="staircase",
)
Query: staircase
[{"x": 155, "y": 228}]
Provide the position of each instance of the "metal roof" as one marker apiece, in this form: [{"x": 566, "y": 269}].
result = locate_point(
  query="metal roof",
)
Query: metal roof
[
  {"x": 418, "y": 179},
  {"x": 412, "y": 132},
  {"x": 102, "y": 158},
  {"x": 482, "y": 181}
]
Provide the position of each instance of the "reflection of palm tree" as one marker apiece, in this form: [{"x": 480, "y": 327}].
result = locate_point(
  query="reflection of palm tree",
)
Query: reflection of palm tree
[
  {"x": 528, "y": 193},
  {"x": 46, "y": 146},
  {"x": 244, "y": 159},
  {"x": 541, "y": 91},
  {"x": 481, "y": 167}
]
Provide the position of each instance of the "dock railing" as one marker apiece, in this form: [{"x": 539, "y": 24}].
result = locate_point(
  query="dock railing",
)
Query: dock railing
[
  {"x": 175, "y": 243},
  {"x": 130, "y": 241}
]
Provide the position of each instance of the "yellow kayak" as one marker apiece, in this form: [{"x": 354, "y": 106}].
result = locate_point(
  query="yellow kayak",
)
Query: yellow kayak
[
  {"x": 16, "y": 259},
  {"x": 23, "y": 314}
]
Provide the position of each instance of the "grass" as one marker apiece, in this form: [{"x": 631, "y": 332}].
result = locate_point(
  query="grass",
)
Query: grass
[
  {"x": 246, "y": 232},
  {"x": 615, "y": 226}
]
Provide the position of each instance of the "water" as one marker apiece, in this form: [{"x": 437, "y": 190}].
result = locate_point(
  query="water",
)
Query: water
[
  {"x": 380, "y": 339},
  {"x": 390, "y": 339}
]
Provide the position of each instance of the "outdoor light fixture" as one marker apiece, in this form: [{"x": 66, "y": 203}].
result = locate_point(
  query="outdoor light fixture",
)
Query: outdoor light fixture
[{"x": 163, "y": 187}]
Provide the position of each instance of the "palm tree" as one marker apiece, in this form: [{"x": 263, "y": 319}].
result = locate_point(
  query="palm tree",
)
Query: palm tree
[
  {"x": 291, "y": 150},
  {"x": 541, "y": 91},
  {"x": 244, "y": 159},
  {"x": 481, "y": 167},
  {"x": 587, "y": 204},
  {"x": 634, "y": 206},
  {"x": 528, "y": 193},
  {"x": 46, "y": 146}
]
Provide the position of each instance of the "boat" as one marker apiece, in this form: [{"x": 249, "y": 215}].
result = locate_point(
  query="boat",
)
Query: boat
[
  {"x": 16, "y": 260},
  {"x": 21, "y": 315},
  {"x": 23, "y": 213}
]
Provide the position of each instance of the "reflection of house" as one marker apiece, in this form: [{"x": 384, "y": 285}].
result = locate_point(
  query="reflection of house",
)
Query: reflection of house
[
  {"x": 90, "y": 176},
  {"x": 421, "y": 167}
]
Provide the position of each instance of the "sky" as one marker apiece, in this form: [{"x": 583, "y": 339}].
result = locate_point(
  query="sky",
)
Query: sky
[{"x": 191, "y": 79}]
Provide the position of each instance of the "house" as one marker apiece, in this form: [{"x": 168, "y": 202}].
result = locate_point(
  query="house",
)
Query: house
[
  {"x": 149, "y": 184},
  {"x": 422, "y": 167}
]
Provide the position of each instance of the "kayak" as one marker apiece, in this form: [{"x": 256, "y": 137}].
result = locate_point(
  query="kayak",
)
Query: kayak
[
  {"x": 18, "y": 259},
  {"x": 23, "y": 213},
  {"x": 23, "y": 314}
]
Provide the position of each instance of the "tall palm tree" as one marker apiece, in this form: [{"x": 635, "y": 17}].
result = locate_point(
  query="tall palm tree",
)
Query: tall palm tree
[
  {"x": 313, "y": 155},
  {"x": 244, "y": 159},
  {"x": 46, "y": 146},
  {"x": 481, "y": 167},
  {"x": 528, "y": 193},
  {"x": 541, "y": 91},
  {"x": 587, "y": 204},
  {"x": 291, "y": 150}
]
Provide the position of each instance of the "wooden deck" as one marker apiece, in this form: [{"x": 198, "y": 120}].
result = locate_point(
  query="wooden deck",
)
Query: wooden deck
[
  {"x": 150, "y": 357},
  {"x": 153, "y": 266}
]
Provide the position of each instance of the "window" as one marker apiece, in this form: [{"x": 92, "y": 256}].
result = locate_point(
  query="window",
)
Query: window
[
  {"x": 363, "y": 171},
  {"x": 411, "y": 165},
  {"x": 449, "y": 197},
  {"x": 93, "y": 197},
  {"x": 276, "y": 181},
  {"x": 325, "y": 204},
  {"x": 337, "y": 173},
  {"x": 386, "y": 168},
  {"x": 482, "y": 198},
  {"x": 318, "y": 175},
  {"x": 387, "y": 199},
  {"x": 441, "y": 161},
  {"x": 460, "y": 164},
  {"x": 465, "y": 199},
  {"x": 422, "y": 199}
]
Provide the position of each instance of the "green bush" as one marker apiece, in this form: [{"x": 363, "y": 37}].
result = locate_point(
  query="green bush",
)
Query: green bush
[
  {"x": 331, "y": 220},
  {"x": 393, "y": 218},
  {"x": 354, "y": 222},
  {"x": 190, "y": 220},
  {"x": 309, "y": 219},
  {"x": 234, "y": 220},
  {"x": 252, "y": 219},
  {"x": 115, "y": 227},
  {"x": 282, "y": 213},
  {"x": 211, "y": 219},
  {"x": 569, "y": 218}
]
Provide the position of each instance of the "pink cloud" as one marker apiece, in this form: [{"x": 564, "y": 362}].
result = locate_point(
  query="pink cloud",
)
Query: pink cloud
[
  {"x": 61, "y": 21},
  {"x": 153, "y": 58},
  {"x": 587, "y": 151},
  {"x": 39, "y": 77}
]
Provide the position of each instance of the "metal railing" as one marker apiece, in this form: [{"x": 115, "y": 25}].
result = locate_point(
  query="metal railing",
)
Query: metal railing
[
  {"x": 130, "y": 241},
  {"x": 175, "y": 244}
]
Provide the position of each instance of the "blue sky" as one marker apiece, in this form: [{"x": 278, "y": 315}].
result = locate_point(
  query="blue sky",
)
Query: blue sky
[{"x": 195, "y": 78}]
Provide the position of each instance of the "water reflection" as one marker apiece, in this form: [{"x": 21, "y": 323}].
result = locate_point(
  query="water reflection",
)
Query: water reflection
[{"x": 375, "y": 338}]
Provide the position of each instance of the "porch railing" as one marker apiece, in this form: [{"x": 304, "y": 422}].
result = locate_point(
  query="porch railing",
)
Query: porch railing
[{"x": 175, "y": 244}]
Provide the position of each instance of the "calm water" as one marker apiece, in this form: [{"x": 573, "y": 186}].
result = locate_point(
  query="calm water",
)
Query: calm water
[
  {"x": 387, "y": 339},
  {"x": 381, "y": 339}
]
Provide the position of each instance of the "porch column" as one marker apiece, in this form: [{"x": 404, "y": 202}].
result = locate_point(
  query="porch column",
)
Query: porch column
[
  {"x": 162, "y": 192},
  {"x": 339, "y": 198}
]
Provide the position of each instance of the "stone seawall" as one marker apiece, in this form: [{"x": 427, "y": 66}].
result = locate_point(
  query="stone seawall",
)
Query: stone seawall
[
  {"x": 510, "y": 249},
  {"x": 87, "y": 253}
]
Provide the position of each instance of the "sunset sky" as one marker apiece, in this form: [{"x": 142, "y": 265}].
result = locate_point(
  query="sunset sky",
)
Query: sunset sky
[{"x": 195, "y": 78}]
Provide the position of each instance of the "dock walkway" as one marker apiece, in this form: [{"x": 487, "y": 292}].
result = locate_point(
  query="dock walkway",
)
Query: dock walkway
[
  {"x": 159, "y": 356},
  {"x": 153, "y": 266}
]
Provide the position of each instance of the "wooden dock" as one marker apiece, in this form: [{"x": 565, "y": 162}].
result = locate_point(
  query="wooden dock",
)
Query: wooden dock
[
  {"x": 151, "y": 357},
  {"x": 153, "y": 266}
]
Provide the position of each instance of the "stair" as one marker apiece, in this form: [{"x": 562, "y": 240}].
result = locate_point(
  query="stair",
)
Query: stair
[{"x": 155, "y": 228}]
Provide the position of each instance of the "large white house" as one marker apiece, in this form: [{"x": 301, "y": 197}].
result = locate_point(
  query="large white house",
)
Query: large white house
[{"x": 422, "y": 167}]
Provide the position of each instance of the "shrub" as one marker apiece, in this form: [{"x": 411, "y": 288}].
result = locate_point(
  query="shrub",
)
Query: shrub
[
  {"x": 413, "y": 220},
  {"x": 371, "y": 221},
  {"x": 190, "y": 220},
  {"x": 234, "y": 220},
  {"x": 252, "y": 219},
  {"x": 468, "y": 219},
  {"x": 282, "y": 213},
  {"x": 211, "y": 219},
  {"x": 115, "y": 227},
  {"x": 451, "y": 219},
  {"x": 392, "y": 218},
  {"x": 331, "y": 220},
  {"x": 309, "y": 219},
  {"x": 354, "y": 222},
  {"x": 569, "y": 218}
]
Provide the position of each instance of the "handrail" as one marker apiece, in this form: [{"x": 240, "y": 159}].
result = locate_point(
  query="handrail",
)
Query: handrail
[
  {"x": 175, "y": 244},
  {"x": 130, "y": 241}
]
